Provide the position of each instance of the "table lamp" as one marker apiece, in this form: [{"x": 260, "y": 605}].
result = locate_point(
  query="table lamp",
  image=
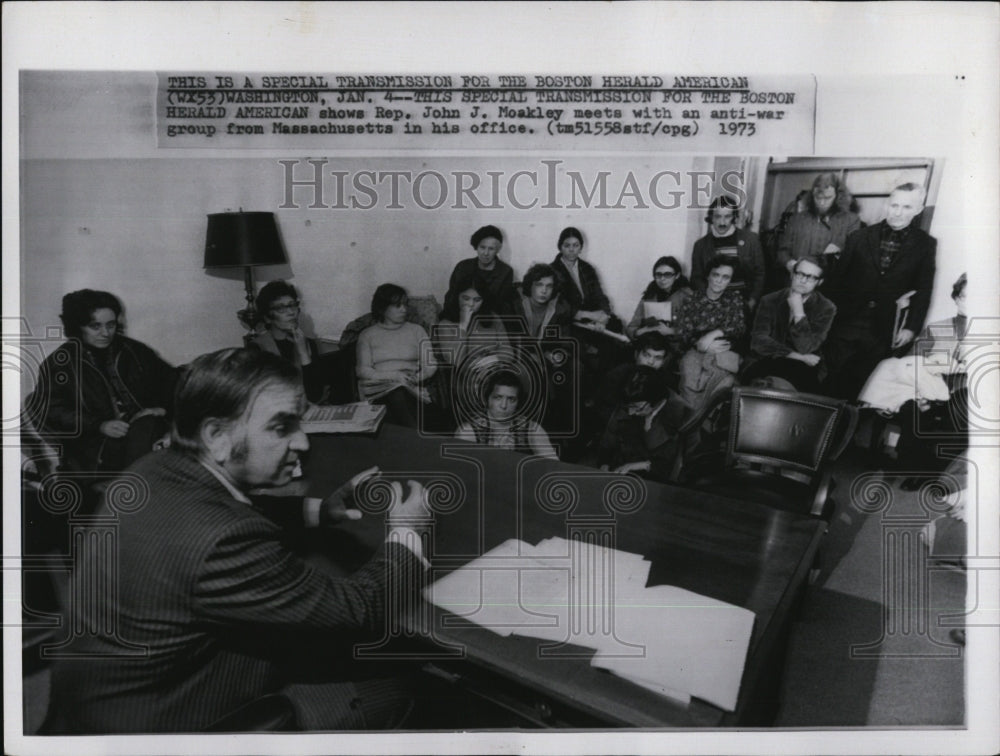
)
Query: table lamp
[{"x": 244, "y": 239}]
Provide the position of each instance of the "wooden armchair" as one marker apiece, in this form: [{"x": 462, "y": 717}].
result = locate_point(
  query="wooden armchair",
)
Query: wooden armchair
[{"x": 768, "y": 446}]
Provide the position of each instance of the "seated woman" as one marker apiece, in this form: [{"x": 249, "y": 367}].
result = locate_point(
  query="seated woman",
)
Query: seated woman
[
  {"x": 659, "y": 306},
  {"x": 542, "y": 335},
  {"x": 707, "y": 327},
  {"x": 278, "y": 305},
  {"x": 789, "y": 330},
  {"x": 500, "y": 425},
  {"x": 641, "y": 435},
  {"x": 580, "y": 287},
  {"x": 925, "y": 393},
  {"x": 496, "y": 276},
  {"x": 101, "y": 396},
  {"x": 394, "y": 358},
  {"x": 579, "y": 284},
  {"x": 467, "y": 333},
  {"x": 668, "y": 286}
]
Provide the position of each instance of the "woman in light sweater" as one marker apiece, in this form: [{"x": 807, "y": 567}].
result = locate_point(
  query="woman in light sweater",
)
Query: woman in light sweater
[{"x": 395, "y": 360}]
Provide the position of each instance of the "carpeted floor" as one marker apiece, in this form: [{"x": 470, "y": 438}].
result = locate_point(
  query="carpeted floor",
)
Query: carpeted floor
[{"x": 864, "y": 602}]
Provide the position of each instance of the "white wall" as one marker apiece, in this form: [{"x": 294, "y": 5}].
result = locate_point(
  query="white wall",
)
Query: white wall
[{"x": 103, "y": 207}]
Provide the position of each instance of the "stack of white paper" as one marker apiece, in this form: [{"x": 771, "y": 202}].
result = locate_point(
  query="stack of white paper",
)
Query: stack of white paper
[{"x": 578, "y": 594}]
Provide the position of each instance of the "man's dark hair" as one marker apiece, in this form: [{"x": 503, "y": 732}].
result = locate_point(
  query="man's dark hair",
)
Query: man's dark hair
[
  {"x": 486, "y": 232},
  {"x": 501, "y": 378},
  {"x": 79, "y": 306},
  {"x": 651, "y": 340},
  {"x": 271, "y": 293},
  {"x": 385, "y": 297},
  {"x": 726, "y": 202},
  {"x": 222, "y": 385}
]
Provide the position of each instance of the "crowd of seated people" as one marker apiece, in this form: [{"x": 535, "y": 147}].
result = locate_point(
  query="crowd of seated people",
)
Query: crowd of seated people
[
  {"x": 831, "y": 320},
  {"x": 539, "y": 368}
]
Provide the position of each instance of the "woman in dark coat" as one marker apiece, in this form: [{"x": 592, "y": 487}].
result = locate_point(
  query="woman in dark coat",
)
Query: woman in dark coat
[{"x": 102, "y": 397}]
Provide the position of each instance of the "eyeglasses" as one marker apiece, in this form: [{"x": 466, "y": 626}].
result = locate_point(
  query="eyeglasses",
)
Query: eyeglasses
[
  {"x": 806, "y": 276},
  {"x": 664, "y": 274},
  {"x": 290, "y": 307}
]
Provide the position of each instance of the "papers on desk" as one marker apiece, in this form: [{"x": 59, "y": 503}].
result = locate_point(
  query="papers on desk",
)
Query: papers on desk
[
  {"x": 658, "y": 310},
  {"x": 359, "y": 417},
  {"x": 669, "y": 640}
]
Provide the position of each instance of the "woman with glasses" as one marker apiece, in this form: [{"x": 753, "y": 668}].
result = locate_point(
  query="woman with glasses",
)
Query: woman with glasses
[
  {"x": 660, "y": 303},
  {"x": 790, "y": 328},
  {"x": 279, "y": 307}
]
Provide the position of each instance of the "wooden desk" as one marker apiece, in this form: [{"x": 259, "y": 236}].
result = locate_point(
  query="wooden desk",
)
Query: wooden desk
[{"x": 741, "y": 553}]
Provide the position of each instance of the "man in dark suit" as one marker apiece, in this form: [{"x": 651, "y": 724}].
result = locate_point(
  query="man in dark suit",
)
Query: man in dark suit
[
  {"x": 203, "y": 607},
  {"x": 880, "y": 264},
  {"x": 790, "y": 328}
]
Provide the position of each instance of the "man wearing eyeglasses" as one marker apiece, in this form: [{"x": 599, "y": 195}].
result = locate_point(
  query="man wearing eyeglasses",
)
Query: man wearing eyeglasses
[{"x": 790, "y": 328}]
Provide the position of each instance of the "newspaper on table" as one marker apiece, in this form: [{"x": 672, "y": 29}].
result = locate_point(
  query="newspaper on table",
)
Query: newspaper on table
[
  {"x": 358, "y": 417},
  {"x": 672, "y": 641}
]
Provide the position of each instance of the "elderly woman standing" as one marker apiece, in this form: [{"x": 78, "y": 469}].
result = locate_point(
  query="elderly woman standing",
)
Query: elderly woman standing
[
  {"x": 101, "y": 396},
  {"x": 394, "y": 358}
]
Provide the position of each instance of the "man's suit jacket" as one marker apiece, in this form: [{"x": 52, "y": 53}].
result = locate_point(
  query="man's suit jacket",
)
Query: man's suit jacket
[
  {"x": 209, "y": 607},
  {"x": 866, "y": 297}
]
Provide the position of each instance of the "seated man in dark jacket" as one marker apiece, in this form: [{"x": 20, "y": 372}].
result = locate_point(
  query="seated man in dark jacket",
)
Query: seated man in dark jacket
[
  {"x": 641, "y": 435},
  {"x": 201, "y": 608},
  {"x": 789, "y": 329}
]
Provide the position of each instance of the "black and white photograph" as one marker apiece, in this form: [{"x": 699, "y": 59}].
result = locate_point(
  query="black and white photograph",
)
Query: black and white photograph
[{"x": 490, "y": 377}]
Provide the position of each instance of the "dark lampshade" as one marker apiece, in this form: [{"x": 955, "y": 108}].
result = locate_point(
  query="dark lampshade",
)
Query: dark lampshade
[{"x": 243, "y": 239}]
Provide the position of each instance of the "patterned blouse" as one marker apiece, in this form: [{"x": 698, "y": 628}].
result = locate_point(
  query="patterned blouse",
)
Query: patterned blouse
[{"x": 701, "y": 315}]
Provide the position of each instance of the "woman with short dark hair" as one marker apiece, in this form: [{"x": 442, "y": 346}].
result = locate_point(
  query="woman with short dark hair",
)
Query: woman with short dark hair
[
  {"x": 503, "y": 424},
  {"x": 93, "y": 390}
]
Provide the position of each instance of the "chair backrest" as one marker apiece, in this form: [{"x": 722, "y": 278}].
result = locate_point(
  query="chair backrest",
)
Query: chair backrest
[{"x": 794, "y": 431}]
